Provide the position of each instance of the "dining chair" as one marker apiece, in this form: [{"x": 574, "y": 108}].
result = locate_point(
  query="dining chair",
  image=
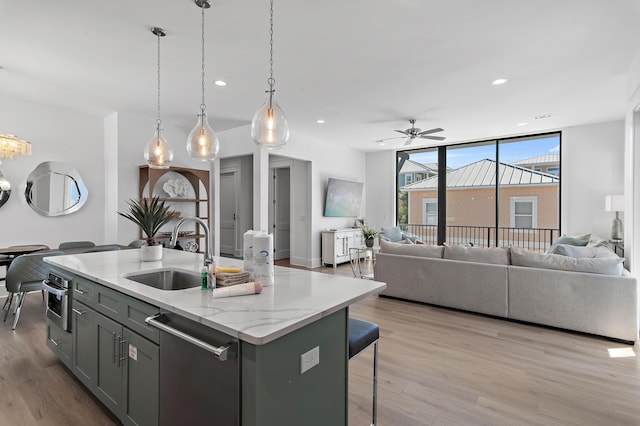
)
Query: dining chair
[
  {"x": 76, "y": 244},
  {"x": 25, "y": 274},
  {"x": 5, "y": 261}
]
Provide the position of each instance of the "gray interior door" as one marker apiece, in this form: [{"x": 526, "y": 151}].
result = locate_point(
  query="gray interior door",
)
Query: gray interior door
[
  {"x": 282, "y": 213},
  {"x": 228, "y": 212}
]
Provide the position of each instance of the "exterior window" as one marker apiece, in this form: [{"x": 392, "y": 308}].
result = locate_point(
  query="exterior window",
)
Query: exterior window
[
  {"x": 430, "y": 211},
  {"x": 553, "y": 171},
  {"x": 408, "y": 179},
  {"x": 524, "y": 212}
]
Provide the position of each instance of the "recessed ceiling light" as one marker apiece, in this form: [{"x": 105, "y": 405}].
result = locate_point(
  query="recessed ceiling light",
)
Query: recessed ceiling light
[
  {"x": 542, "y": 116},
  {"x": 499, "y": 81},
  {"x": 380, "y": 142},
  {"x": 220, "y": 83},
  {"x": 522, "y": 124},
  {"x": 320, "y": 121}
]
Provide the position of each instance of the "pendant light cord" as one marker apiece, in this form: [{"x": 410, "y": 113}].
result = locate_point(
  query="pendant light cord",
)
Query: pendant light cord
[
  {"x": 158, "y": 121},
  {"x": 271, "y": 81},
  {"x": 203, "y": 106}
]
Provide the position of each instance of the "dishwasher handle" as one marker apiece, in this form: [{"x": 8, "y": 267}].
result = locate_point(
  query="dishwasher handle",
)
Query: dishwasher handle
[
  {"x": 223, "y": 353},
  {"x": 52, "y": 288}
]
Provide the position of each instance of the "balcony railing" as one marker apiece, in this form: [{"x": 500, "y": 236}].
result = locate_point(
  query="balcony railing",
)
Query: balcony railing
[{"x": 538, "y": 239}]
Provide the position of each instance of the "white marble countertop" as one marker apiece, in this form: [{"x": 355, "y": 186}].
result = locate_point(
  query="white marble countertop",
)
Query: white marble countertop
[{"x": 299, "y": 297}]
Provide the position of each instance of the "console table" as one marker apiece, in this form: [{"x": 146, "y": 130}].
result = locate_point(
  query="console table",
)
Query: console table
[{"x": 337, "y": 242}]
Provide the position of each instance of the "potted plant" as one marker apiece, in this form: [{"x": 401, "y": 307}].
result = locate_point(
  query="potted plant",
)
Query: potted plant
[
  {"x": 150, "y": 214},
  {"x": 369, "y": 235}
]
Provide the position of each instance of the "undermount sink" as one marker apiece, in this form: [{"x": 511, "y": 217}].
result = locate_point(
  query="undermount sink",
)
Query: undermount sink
[{"x": 167, "y": 279}]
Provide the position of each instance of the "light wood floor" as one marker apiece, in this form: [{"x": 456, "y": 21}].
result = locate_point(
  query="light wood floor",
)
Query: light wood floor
[{"x": 436, "y": 367}]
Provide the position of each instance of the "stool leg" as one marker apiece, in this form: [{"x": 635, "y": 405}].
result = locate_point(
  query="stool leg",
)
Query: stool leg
[
  {"x": 7, "y": 306},
  {"x": 22, "y": 296},
  {"x": 375, "y": 383}
]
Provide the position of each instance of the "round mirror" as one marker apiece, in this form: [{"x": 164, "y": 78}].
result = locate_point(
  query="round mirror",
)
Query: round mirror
[
  {"x": 5, "y": 190},
  {"x": 55, "y": 189}
]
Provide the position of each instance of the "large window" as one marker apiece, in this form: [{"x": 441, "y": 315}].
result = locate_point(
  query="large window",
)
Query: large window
[{"x": 495, "y": 193}]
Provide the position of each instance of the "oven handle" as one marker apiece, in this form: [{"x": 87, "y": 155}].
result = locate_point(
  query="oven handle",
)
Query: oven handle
[
  {"x": 222, "y": 352},
  {"x": 53, "y": 289}
]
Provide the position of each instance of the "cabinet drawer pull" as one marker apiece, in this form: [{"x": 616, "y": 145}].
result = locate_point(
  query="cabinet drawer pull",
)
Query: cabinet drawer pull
[
  {"x": 77, "y": 290},
  {"x": 54, "y": 342},
  {"x": 123, "y": 352},
  {"x": 115, "y": 347},
  {"x": 78, "y": 312}
]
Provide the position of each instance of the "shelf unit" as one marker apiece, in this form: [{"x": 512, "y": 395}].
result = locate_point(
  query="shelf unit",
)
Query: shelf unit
[{"x": 199, "y": 180}]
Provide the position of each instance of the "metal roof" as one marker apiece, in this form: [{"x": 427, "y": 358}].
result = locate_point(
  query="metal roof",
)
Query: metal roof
[
  {"x": 540, "y": 159},
  {"x": 411, "y": 166},
  {"x": 482, "y": 174}
]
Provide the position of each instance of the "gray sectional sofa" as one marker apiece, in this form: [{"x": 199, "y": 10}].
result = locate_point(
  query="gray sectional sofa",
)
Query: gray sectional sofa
[{"x": 548, "y": 289}]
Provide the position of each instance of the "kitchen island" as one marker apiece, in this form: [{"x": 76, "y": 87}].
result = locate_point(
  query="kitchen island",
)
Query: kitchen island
[{"x": 303, "y": 311}]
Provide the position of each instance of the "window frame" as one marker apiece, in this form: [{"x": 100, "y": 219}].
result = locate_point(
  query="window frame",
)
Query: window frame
[{"x": 533, "y": 199}]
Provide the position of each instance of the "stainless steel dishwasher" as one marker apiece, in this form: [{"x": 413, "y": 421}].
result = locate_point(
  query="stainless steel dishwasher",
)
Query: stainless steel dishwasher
[{"x": 199, "y": 373}]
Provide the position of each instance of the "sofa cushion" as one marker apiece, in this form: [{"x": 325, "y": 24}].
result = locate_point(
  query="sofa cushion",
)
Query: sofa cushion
[
  {"x": 419, "y": 250},
  {"x": 496, "y": 256},
  {"x": 532, "y": 259}
]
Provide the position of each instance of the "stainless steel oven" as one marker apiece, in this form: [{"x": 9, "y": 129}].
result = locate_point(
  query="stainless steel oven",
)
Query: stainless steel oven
[{"x": 58, "y": 309}]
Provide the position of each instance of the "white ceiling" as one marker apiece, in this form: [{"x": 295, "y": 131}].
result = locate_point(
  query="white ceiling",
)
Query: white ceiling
[{"x": 364, "y": 66}]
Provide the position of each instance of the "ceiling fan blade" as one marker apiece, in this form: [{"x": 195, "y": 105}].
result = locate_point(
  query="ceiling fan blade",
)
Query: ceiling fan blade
[
  {"x": 404, "y": 132},
  {"x": 408, "y": 141},
  {"x": 435, "y": 138},
  {"x": 428, "y": 132}
]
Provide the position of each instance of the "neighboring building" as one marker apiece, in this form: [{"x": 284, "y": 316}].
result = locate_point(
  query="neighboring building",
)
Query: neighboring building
[
  {"x": 412, "y": 171},
  {"x": 548, "y": 163},
  {"x": 528, "y": 198}
]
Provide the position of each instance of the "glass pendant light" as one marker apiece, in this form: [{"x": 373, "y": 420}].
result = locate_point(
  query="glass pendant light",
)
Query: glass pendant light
[
  {"x": 203, "y": 143},
  {"x": 269, "y": 127},
  {"x": 158, "y": 153}
]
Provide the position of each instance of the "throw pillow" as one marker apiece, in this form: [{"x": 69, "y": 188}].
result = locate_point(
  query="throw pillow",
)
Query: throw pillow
[
  {"x": 574, "y": 241},
  {"x": 392, "y": 233},
  {"x": 578, "y": 252},
  {"x": 531, "y": 259},
  {"x": 497, "y": 255}
]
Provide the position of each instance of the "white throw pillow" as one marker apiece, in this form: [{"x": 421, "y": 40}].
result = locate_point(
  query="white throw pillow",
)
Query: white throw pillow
[{"x": 581, "y": 252}]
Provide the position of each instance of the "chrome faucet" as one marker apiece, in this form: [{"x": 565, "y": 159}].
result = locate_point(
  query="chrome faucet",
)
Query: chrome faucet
[{"x": 208, "y": 257}]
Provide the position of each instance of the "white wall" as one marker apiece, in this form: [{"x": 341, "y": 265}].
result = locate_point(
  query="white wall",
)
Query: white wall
[
  {"x": 632, "y": 165},
  {"x": 56, "y": 134},
  {"x": 592, "y": 167}
]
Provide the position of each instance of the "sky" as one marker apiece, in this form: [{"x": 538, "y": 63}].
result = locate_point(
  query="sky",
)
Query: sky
[{"x": 509, "y": 152}]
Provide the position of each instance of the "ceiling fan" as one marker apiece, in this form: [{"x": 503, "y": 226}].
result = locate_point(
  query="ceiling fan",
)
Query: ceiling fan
[{"x": 415, "y": 132}]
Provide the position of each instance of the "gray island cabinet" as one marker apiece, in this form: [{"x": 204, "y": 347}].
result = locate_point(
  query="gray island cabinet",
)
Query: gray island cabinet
[{"x": 138, "y": 372}]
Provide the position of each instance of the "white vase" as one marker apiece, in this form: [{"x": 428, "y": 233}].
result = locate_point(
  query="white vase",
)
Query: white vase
[{"x": 151, "y": 253}]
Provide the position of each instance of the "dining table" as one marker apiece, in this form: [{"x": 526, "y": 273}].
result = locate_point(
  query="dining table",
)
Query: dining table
[
  {"x": 7, "y": 254},
  {"x": 14, "y": 251}
]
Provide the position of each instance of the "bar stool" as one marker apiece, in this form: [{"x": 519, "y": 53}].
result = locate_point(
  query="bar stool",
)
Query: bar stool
[{"x": 361, "y": 335}]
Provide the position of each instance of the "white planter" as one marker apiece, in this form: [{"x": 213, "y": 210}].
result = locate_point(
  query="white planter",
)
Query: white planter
[{"x": 151, "y": 253}]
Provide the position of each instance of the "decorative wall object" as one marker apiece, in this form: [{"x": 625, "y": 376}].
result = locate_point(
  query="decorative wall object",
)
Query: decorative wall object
[{"x": 55, "y": 189}]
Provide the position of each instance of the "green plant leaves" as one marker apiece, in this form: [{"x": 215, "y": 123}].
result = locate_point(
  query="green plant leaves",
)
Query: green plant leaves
[{"x": 150, "y": 214}]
